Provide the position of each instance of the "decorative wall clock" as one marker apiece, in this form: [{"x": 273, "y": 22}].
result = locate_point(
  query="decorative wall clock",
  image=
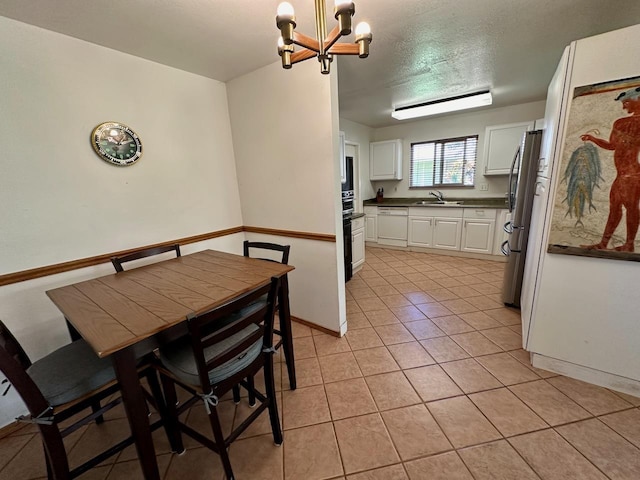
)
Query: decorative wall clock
[{"x": 116, "y": 143}]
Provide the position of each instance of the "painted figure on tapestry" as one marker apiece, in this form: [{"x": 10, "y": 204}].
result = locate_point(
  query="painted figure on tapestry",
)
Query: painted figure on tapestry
[{"x": 624, "y": 141}]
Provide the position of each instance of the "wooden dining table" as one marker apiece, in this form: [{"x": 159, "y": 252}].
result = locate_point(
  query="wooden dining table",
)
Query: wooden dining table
[{"x": 128, "y": 314}]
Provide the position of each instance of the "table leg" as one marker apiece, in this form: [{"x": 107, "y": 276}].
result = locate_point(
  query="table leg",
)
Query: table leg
[
  {"x": 124, "y": 363},
  {"x": 285, "y": 329}
]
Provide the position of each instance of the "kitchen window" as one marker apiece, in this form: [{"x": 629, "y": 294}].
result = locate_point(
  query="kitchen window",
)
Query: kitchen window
[{"x": 450, "y": 162}]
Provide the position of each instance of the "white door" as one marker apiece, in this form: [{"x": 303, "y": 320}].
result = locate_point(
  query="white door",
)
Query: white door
[
  {"x": 371, "y": 232},
  {"x": 357, "y": 246},
  {"x": 446, "y": 233},
  {"x": 477, "y": 236},
  {"x": 420, "y": 231}
]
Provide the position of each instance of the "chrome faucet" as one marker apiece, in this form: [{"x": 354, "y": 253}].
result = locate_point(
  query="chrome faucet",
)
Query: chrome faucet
[{"x": 438, "y": 195}]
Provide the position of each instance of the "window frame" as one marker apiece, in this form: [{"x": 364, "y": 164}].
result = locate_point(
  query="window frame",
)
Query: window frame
[{"x": 440, "y": 162}]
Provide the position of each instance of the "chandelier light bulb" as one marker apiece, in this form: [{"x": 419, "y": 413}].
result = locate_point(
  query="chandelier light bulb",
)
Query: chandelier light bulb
[
  {"x": 363, "y": 29},
  {"x": 326, "y": 44},
  {"x": 285, "y": 9}
]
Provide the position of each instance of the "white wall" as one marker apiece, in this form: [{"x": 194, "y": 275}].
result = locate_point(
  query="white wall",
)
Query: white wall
[
  {"x": 451, "y": 126},
  {"x": 286, "y": 146},
  {"x": 362, "y": 135},
  {"x": 61, "y": 202}
]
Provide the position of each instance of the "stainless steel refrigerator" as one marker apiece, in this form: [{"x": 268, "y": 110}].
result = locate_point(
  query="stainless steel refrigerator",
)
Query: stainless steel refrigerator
[{"x": 522, "y": 186}]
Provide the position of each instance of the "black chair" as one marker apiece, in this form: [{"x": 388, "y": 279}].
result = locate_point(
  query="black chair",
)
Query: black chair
[
  {"x": 286, "y": 337},
  {"x": 61, "y": 385},
  {"x": 147, "y": 252},
  {"x": 212, "y": 360}
]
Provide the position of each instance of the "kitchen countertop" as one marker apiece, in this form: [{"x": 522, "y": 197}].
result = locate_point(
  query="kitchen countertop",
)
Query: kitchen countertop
[
  {"x": 353, "y": 216},
  {"x": 431, "y": 202}
]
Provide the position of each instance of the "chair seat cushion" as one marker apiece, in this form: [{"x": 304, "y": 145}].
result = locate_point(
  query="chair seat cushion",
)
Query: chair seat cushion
[
  {"x": 71, "y": 372},
  {"x": 178, "y": 358}
]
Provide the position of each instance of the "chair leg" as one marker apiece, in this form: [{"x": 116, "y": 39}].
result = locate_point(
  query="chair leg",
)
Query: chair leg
[
  {"x": 54, "y": 453},
  {"x": 218, "y": 438},
  {"x": 285, "y": 330},
  {"x": 251, "y": 389},
  {"x": 95, "y": 406},
  {"x": 170, "y": 418},
  {"x": 270, "y": 388},
  {"x": 236, "y": 394}
]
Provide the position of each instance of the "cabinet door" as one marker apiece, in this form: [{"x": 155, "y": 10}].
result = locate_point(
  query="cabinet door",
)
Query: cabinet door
[
  {"x": 500, "y": 145},
  {"x": 477, "y": 236},
  {"x": 421, "y": 231},
  {"x": 371, "y": 230},
  {"x": 446, "y": 233},
  {"x": 357, "y": 248},
  {"x": 500, "y": 235},
  {"x": 386, "y": 160}
]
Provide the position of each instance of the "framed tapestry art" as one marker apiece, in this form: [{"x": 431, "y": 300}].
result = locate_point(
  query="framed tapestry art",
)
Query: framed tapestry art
[{"x": 596, "y": 210}]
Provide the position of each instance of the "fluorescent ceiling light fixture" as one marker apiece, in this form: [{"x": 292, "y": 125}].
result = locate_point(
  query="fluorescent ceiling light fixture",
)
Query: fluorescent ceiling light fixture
[{"x": 462, "y": 102}]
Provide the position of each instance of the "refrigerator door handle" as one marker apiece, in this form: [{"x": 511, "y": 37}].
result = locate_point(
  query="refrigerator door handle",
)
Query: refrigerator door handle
[
  {"x": 511, "y": 195},
  {"x": 508, "y": 227},
  {"x": 504, "y": 248}
]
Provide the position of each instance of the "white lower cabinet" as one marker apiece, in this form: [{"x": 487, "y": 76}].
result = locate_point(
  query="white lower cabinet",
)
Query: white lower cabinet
[
  {"x": 371, "y": 224},
  {"x": 420, "y": 232},
  {"x": 478, "y": 230},
  {"x": 501, "y": 236},
  {"x": 465, "y": 229},
  {"x": 435, "y": 227},
  {"x": 446, "y": 233},
  {"x": 357, "y": 243}
]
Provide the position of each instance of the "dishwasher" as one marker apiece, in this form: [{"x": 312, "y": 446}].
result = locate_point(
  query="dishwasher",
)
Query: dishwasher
[{"x": 392, "y": 226}]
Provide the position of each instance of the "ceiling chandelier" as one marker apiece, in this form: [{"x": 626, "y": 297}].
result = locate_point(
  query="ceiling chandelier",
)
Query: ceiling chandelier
[{"x": 323, "y": 46}]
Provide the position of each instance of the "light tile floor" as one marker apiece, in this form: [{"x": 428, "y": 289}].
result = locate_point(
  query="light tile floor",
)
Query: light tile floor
[{"x": 430, "y": 382}]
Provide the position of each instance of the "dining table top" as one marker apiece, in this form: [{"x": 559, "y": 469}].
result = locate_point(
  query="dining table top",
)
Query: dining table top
[{"x": 121, "y": 309}]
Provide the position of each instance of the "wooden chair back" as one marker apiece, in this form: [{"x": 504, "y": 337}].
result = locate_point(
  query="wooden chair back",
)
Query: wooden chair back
[
  {"x": 204, "y": 332},
  {"x": 13, "y": 364},
  {"x": 268, "y": 246},
  {"x": 147, "y": 252}
]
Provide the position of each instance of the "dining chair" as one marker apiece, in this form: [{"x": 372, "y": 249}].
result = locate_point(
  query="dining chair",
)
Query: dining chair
[
  {"x": 61, "y": 385},
  {"x": 143, "y": 253},
  {"x": 286, "y": 337},
  {"x": 212, "y": 360}
]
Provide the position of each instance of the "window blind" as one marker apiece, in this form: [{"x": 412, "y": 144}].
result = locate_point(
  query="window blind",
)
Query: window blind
[{"x": 447, "y": 162}]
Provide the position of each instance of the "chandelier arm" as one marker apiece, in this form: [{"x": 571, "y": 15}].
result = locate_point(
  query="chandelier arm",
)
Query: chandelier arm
[
  {"x": 332, "y": 38},
  {"x": 302, "y": 55},
  {"x": 344, "y": 49},
  {"x": 306, "y": 41}
]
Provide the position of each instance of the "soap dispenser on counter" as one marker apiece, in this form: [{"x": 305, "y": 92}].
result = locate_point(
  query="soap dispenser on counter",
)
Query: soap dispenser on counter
[{"x": 380, "y": 195}]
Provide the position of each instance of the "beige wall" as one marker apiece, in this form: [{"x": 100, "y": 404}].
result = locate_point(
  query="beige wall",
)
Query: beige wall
[
  {"x": 61, "y": 202},
  {"x": 451, "y": 126},
  {"x": 286, "y": 154}
]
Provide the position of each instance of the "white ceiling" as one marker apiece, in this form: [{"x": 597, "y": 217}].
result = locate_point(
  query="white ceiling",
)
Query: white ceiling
[{"x": 421, "y": 50}]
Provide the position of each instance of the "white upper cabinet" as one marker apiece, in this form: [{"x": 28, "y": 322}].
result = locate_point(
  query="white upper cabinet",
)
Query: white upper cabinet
[
  {"x": 386, "y": 160},
  {"x": 500, "y": 145}
]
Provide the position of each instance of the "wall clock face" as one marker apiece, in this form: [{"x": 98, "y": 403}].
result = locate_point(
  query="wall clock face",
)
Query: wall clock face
[{"x": 116, "y": 143}]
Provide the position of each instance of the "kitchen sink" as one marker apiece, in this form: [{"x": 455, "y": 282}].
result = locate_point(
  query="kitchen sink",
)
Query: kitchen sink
[{"x": 439, "y": 202}]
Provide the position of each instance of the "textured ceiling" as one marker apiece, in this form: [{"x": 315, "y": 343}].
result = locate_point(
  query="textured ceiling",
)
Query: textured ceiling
[{"x": 421, "y": 49}]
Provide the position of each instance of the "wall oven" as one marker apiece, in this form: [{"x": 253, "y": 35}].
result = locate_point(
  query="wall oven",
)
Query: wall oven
[{"x": 348, "y": 208}]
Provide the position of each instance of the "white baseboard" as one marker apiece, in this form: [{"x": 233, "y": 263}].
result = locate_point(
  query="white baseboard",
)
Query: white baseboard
[{"x": 586, "y": 374}]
